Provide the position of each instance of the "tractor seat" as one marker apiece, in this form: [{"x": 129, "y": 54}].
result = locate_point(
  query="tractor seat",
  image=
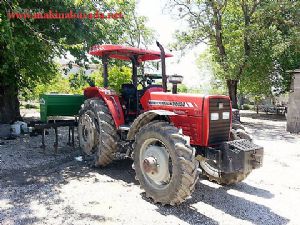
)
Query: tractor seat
[
  {"x": 128, "y": 89},
  {"x": 129, "y": 97}
]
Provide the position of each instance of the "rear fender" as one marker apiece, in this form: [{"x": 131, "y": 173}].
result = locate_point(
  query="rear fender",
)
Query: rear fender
[
  {"x": 145, "y": 118},
  {"x": 112, "y": 101}
]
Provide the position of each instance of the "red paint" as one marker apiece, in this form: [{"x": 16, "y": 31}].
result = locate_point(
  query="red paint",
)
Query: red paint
[
  {"x": 112, "y": 101},
  {"x": 192, "y": 118},
  {"x": 192, "y": 110},
  {"x": 125, "y": 52}
]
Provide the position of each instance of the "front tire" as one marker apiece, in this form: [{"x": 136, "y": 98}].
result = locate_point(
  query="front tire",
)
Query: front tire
[
  {"x": 97, "y": 132},
  {"x": 165, "y": 163},
  {"x": 210, "y": 169}
]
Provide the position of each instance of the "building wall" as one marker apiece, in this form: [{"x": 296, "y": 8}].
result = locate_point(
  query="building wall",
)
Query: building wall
[{"x": 293, "y": 115}]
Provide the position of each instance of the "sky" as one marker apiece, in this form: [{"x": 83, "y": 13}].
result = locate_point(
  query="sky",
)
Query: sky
[
  {"x": 164, "y": 26},
  {"x": 160, "y": 20}
]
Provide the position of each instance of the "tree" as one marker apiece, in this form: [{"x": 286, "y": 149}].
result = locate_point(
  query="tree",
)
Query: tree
[
  {"x": 241, "y": 36},
  {"x": 28, "y": 46},
  {"x": 276, "y": 49}
]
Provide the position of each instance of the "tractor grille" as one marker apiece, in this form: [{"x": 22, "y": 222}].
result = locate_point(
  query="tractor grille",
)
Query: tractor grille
[{"x": 218, "y": 129}]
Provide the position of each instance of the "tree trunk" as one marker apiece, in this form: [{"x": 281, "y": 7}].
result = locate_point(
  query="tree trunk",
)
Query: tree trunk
[
  {"x": 232, "y": 90},
  {"x": 9, "y": 104}
]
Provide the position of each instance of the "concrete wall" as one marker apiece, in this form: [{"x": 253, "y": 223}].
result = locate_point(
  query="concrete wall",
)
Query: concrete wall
[{"x": 293, "y": 115}]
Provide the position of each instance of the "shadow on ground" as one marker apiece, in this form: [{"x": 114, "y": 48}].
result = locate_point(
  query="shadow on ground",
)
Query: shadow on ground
[
  {"x": 20, "y": 190},
  {"x": 41, "y": 186},
  {"x": 263, "y": 116},
  {"x": 274, "y": 131},
  {"x": 218, "y": 198},
  {"x": 269, "y": 132}
]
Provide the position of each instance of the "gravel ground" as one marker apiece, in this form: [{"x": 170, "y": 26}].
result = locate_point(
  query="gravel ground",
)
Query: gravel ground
[{"x": 48, "y": 188}]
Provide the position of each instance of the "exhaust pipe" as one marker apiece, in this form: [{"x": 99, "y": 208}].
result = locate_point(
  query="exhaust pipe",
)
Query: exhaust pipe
[{"x": 163, "y": 65}]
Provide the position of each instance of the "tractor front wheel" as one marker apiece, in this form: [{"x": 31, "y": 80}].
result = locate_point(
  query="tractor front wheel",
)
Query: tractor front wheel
[
  {"x": 165, "y": 163},
  {"x": 210, "y": 169}
]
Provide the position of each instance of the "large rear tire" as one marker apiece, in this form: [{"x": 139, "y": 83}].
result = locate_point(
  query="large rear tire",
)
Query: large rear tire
[
  {"x": 165, "y": 163},
  {"x": 97, "y": 132}
]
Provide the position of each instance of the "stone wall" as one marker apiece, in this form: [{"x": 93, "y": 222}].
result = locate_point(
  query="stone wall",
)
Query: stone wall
[{"x": 293, "y": 115}]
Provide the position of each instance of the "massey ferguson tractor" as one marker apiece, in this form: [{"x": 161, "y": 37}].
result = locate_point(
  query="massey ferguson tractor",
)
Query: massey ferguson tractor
[{"x": 170, "y": 136}]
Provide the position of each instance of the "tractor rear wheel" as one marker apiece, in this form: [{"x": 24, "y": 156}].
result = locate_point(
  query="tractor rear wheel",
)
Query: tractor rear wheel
[
  {"x": 165, "y": 163},
  {"x": 97, "y": 132},
  {"x": 210, "y": 169}
]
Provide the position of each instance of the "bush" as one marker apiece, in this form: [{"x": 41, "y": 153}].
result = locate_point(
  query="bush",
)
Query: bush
[
  {"x": 247, "y": 107},
  {"x": 75, "y": 83},
  {"x": 31, "y": 106}
]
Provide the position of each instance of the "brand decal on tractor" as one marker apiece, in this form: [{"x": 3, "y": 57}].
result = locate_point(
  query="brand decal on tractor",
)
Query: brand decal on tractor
[{"x": 169, "y": 103}]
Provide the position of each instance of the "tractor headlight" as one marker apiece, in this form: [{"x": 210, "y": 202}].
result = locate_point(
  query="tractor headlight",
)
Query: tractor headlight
[
  {"x": 214, "y": 116},
  {"x": 225, "y": 115}
]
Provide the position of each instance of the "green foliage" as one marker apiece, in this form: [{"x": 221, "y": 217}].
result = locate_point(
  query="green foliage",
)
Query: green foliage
[
  {"x": 254, "y": 42},
  {"x": 247, "y": 107},
  {"x": 206, "y": 62},
  {"x": 96, "y": 78},
  {"x": 118, "y": 76},
  {"x": 28, "y": 47},
  {"x": 31, "y": 106},
  {"x": 78, "y": 82},
  {"x": 58, "y": 84},
  {"x": 182, "y": 88},
  {"x": 75, "y": 83}
]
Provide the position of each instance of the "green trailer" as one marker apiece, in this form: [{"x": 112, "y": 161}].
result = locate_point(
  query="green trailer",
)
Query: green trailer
[{"x": 59, "y": 105}]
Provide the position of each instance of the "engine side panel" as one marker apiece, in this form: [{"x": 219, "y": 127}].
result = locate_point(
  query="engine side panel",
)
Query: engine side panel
[
  {"x": 193, "y": 113},
  {"x": 187, "y": 107},
  {"x": 112, "y": 101}
]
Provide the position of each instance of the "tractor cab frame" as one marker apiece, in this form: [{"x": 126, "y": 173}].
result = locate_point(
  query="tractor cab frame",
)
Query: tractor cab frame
[
  {"x": 130, "y": 95},
  {"x": 135, "y": 55}
]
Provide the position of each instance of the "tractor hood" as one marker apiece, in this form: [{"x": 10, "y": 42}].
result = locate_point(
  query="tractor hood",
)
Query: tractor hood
[
  {"x": 181, "y": 104},
  {"x": 206, "y": 119}
]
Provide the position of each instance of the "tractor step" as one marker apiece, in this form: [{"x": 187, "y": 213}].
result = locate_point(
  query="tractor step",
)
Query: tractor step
[{"x": 124, "y": 128}]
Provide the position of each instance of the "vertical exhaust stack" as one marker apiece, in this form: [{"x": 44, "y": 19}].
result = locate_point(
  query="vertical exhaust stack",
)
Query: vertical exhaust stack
[{"x": 163, "y": 65}]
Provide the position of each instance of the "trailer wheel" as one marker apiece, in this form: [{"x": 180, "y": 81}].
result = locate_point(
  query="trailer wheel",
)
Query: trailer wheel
[
  {"x": 97, "y": 132},
  {"x": 165, "y": 163},
  {"x": 211, "y": 171}
]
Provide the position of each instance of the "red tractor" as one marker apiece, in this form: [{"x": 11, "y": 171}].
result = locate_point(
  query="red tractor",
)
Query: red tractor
[{"x": 168, "y": 135}]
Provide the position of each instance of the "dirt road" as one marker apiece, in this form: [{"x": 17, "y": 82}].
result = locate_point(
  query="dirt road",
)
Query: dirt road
[{"x": 39, "y": 188}]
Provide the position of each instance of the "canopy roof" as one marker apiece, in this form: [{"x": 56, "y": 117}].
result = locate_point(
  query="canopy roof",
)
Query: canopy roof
[{"x": 125, "y": 52}]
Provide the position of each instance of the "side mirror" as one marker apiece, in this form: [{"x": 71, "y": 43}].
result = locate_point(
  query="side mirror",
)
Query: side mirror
[{"x": 175, "y": 79}]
